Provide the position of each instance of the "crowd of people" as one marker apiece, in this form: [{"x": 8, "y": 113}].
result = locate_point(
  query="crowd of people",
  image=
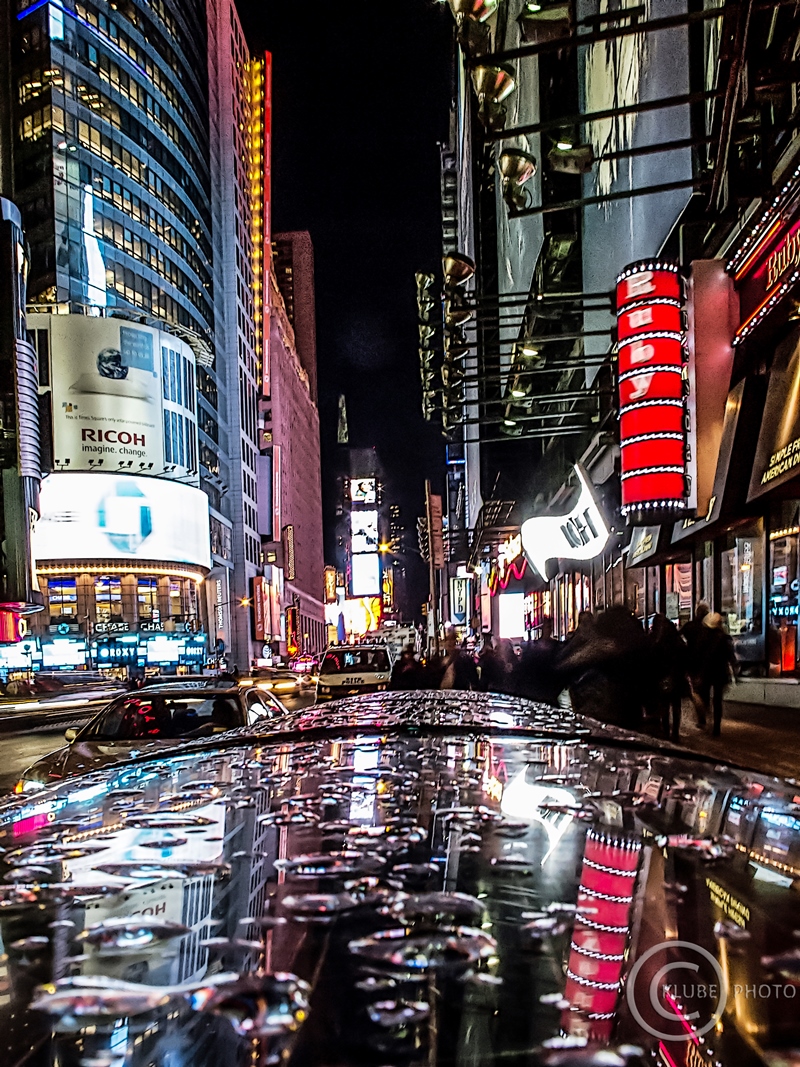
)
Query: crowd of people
[{"x": 614, "y": 669}]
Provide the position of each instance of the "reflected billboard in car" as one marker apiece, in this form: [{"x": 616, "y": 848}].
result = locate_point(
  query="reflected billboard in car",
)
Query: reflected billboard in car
[{"x": 116, "y": 516}]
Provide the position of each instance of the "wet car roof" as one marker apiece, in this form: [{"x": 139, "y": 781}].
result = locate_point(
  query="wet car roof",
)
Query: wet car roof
[{"x": 411, "y": 878}]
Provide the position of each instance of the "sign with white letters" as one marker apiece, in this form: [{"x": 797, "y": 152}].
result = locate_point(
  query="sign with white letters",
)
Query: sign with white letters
[{"x": 580, "y": 534}]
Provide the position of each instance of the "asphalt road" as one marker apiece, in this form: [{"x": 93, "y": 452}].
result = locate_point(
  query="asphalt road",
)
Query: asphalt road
[{"x": 20, "y": 750}]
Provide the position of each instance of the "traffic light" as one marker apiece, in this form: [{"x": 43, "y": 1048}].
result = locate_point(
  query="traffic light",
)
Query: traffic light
[{"x": 427, "y": 335}]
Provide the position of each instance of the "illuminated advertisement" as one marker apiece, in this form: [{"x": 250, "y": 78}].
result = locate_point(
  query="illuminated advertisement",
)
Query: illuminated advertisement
[
  {"x": 364, "y": 531},
  {"x": 360, "y": 615},
  {"x": 363, "y": 491},
  {"x": 651, "y": 393},
  {"x": 123, "y": 395},
  {"x": 365, "y": 575},
  {"x": 580, "y": 534},
  {"x": 117, "y": 517}
]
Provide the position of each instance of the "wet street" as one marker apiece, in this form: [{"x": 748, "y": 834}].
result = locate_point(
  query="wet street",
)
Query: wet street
[{"x": 20, "y": 750}]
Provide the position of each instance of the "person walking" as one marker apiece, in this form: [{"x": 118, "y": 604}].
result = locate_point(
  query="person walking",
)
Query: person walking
[
  {"x": 668, "y": 656},
  {"x": 407, "y": 672},
  {"x": 692, "y": 633},
  {"x": 716, "y": 661},
  {"x": 458, "y": 668},
  {"x": 539, "y": 678}
]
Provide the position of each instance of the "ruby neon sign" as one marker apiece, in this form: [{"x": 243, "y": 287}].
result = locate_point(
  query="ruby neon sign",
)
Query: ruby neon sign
[{"x": 651, "y": 392}]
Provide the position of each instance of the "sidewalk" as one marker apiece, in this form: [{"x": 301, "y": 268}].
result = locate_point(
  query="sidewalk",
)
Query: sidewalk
[{"x": 764, "y": 738}]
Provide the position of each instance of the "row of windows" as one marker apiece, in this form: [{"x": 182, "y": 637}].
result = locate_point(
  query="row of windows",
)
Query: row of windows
[
  {"x": 119, "y": 79},
  {"x": 109, "y": 29},
  {"x": 145, "y": 294},
  {"x": 179, "y": 441},
  {"x": 177, "y": 378},
  {"x": 208, "y": 424},
  {"x": 207, "y": 387},
  {"x": 62, "y": 595},
  {"x": 152, "y": 256},
  {"x": 252, "y": 549},
  {"x": 139, "y": 210},
  {"x": 209, "y": 459},
  {"x": 35, "y": 82},
  {"x": 122, "y": 119},
  {"x": 104, "y": 146}
]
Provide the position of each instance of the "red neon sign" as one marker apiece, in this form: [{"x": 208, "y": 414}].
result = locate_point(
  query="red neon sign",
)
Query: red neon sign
[{"x": 651, "y": 393}]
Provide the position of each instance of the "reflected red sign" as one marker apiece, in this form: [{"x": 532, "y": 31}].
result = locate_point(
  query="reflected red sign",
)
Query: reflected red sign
[{"x": 651, "y": 391}]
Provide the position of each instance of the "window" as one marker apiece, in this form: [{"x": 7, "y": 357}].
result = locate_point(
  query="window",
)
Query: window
[
  {"x": 175, "y": 600},
  {"x": 161, "y": 715},
  {"x": 147, "y": 598},
  {"x": 355, "y": 661},
  {"x": 62, "y": 594},
  {"x": 741, "y": 565},
  {"x": 108, "y": 598}
]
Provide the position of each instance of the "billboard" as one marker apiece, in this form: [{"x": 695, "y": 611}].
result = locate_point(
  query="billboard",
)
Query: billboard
[
  {"x": 363, "y": 491},
  {"x": 123, "y": 396},
  {"x": 365, "y": 574},
  {"x": 364, "y": 531},
  {"x": 119, "y": 517}
]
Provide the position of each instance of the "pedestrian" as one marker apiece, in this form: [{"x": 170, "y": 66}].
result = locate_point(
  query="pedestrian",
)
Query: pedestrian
[
  {"x": 716, "y": 664},
  {"x": 668, "y": 663},
  {"x": 458, "y": 669},
  {"x": 692, "y": 633},
  {"x": 539, "y": 677},
  {"x": 407, "y": 672}
]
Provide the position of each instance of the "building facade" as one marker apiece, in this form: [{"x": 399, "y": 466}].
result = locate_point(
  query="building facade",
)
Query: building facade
[
  {"x": 136, "y": 143},
  {"x": 589, "y": 195}
]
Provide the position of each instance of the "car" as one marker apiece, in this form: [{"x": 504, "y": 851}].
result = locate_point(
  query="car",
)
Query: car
[
  {"x": 407, "y": 878},
  {"x": 157, "y": 715},
  {"x": 279, "y": 680},
  {"x": 347, "y": 670}
]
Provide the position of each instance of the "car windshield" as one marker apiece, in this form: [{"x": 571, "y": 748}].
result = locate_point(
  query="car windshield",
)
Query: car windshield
[
  {"x": 155, "y": 716},
  {"x": 355, "y": 661}
]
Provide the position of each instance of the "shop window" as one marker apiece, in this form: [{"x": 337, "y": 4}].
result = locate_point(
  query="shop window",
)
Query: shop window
[
  {"x": 635, "y": 591},
  {"x": 741, "y": 567},
  {"x": 147, "y": 596},
  {"x": 62, "y": 595},
  {"x": 678, "y": 593},
  {"x": 175, "y": 599},
  {"x": 108, "y": 599}
]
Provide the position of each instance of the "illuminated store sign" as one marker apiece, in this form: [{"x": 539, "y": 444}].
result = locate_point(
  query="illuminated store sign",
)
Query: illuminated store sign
[
  {"x": 651, "y": 392},
  {"x": 580, "y": 534}
]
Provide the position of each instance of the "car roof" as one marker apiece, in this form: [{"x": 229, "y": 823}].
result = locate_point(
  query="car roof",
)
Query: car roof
[{"x": 182, "y": 689}]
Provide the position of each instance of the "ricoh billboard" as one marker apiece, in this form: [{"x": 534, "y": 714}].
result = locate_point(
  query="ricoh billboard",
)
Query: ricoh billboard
[
  {"x": 123, "y": 395},
  {"x": 119, "y": 517}
]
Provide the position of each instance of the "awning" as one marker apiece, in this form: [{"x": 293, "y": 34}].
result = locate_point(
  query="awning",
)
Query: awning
[
  {"x": 778, "y": 451},
  {"x": 739, "y": 430}
]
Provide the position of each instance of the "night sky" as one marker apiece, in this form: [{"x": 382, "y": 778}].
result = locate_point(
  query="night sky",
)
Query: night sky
[{"x": 360, "y": 99}]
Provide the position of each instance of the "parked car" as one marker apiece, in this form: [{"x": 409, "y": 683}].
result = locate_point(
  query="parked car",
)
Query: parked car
[
  {"x": 406, "y": 878},
  {"x": 155, "y": 716},
  {"x": 347, "y": 670}
]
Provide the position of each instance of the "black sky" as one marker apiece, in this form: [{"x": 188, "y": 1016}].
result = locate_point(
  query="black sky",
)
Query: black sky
[{"x": 360, "y": 99}]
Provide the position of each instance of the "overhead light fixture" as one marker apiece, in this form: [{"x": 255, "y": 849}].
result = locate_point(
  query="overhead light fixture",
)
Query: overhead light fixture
[
  {"x": 493, "y": 83},
  {"x": 519, "y": 390},
  {"x": 456, "y": 310},
  {"x": 545, "y": 20},
  {"x": 516, "y": 168},
  {"x": 529, "y": 349},
  {"x": 476, "y": 10},
  {"x": 457, "y": 268},
  {"x": 569, "y": 158}
]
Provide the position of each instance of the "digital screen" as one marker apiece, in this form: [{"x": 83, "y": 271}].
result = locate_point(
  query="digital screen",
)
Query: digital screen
[
  {"x": 110, "y": 516},
  {"x": 364, "y": 531},
  {"x": 366, "y": 575},
  {"x": 363, "y": 491},
  {"x": 511, "y": 615}
]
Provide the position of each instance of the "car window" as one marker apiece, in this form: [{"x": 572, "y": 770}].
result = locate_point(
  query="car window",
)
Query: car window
[
  {"x": 258, "y": 708},
  {"x": 164, "y": 716},
  {"x": 355, "y": 661}
]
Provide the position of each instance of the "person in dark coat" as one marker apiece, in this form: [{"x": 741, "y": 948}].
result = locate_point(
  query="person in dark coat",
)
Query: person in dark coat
[
  {"x": 539, "y": 678},
  {"x": 692, "y": 632},
  {"x": 458, "y": 668},
  {"x": 716, "y": 663},
  {"x": 408, "y": 672},
  {"x": 668, "y": 659}
]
